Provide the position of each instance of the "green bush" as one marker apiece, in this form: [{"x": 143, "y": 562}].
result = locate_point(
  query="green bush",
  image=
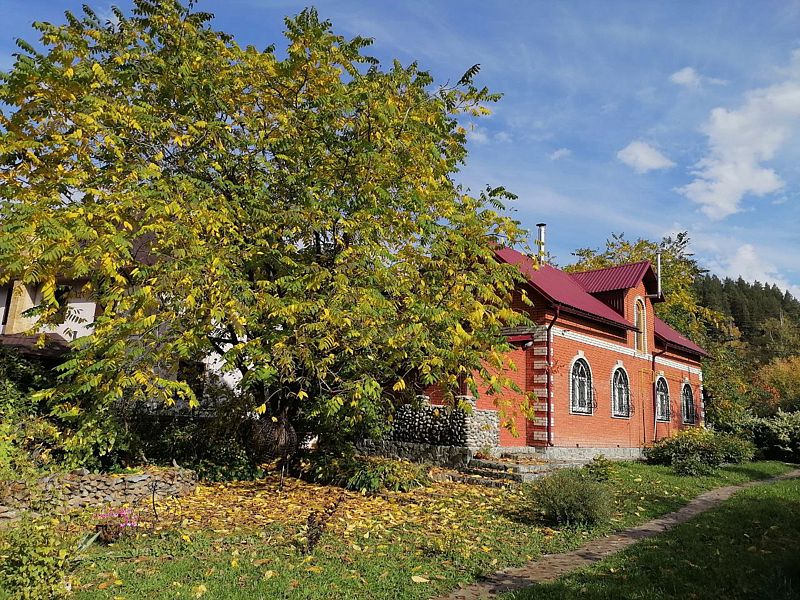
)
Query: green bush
[
  {"x": 735, "y": 449},
  {"x": 366, "y": 474},
  {"x": 691, "y": 466},
  {"x": 778, "y": 436},
  {"x": 600, "y": 469},
  {"x": 694, "y": 442},
  {"x": 33, "y": 560},
  {"x": 571, "y": 497},
  {"x": 690, "y": 447}
]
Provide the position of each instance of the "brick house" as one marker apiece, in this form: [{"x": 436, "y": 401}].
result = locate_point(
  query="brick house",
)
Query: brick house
[{"x": 608, "y": 374}]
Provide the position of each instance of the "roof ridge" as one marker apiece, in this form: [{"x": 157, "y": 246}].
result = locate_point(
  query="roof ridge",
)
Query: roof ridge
[{"x": 638, "y": 262}]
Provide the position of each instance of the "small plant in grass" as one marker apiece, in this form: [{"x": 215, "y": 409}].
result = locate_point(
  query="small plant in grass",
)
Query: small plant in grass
[
  {"x": 600, "y": 469},
  {"x": 484, "y": 453},
  {"x": 571, "y": 497},
  {"x": 115, "y": 524}
]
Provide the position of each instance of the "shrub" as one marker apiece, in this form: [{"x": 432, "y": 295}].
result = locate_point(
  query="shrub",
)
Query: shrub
[
  {"x": 689, "y": 448},
  {"x": 367, "y": 474},
  {"x": 570, "y": 496},
  {"x": 735, "y": 449},
  {"x": 778, "y": 436},
  {"x": 600, "y": 469},
  {"x": 33, "y": 560},
  {"x": 691, "y": 466}
]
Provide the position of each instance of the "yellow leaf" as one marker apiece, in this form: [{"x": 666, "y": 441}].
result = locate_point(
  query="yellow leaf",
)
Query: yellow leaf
[
  {"x": 301, "y": 394},
  {"x": 261, "y": 409},
  {"x": 234, "y": 563},
  {"x": 269, "y": 574},
  {"x": 419, "y": 579},
  {"x": 186, "y": 538},
  {"x": 200, "y": 590}
]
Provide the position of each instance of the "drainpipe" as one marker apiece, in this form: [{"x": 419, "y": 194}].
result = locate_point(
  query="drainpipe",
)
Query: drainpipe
[
  {"x": 550, "y": 377},
  {"x": 655, "y": 392}
]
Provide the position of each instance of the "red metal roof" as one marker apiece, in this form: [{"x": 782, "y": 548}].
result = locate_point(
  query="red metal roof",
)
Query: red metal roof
[
  {"x": 668, "y": 335},
  {"x": 558, "y": 287},
  {"x": 622, "y": 277}
]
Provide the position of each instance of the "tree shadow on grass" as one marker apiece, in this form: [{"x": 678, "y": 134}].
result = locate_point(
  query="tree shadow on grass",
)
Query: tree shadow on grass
[{"x": 747, "y": 548}]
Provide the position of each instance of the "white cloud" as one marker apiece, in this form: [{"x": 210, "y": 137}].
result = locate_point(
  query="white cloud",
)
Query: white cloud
[
  {"x": 477, "y": 134},
  {"x": 689, "y": 77},
  {"x": 686, "y": 76},
  {"x": 748, "y": 264},
  {"x": 740, "y": 140},
  {"x": 642, "y": 157},
  {"x": 503, "y": 137},
  {"x": 560, "y": 153}
]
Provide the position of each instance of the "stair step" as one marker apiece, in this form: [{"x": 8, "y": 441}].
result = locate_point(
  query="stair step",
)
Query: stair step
[{"x": 519, "y": 468}]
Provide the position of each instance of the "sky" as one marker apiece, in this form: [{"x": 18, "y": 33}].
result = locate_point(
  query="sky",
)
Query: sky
[{"x": 644, "y": 118}]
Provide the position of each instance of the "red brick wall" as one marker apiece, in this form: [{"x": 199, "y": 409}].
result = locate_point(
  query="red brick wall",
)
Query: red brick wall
[{"x": 600, "y": 429}]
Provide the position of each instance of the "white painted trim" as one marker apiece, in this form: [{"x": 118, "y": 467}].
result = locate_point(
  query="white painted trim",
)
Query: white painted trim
[
  {"x": 580, "y": 356},
  {"x": 590, "y": 341},
  {"x": 636, "y": 302},
  {"x": 660, "y": 360},
  {"x": 684, "y": 385},
  {"x": 619, "y": 366},
  {"x": 669, "y": 399}
]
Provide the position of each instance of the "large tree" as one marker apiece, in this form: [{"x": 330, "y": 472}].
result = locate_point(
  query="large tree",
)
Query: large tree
[
  {"x": 294, "y": 213},
  {"x": 681, "y": 307}
]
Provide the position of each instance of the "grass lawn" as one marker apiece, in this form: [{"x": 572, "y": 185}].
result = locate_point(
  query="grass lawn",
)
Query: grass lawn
[
  {"x": 241, "y": 540},
  {"x": 749, "y": 547}
]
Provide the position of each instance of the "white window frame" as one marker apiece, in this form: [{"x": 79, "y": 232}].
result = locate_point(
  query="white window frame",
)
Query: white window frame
[
  {"x": 660, "y": 416},
  {"x": 686, "y": 385},
  {"x": 639, "y": 302},
  {"x": 573, "y": 408},
  {"x": 614, "y": 413}
]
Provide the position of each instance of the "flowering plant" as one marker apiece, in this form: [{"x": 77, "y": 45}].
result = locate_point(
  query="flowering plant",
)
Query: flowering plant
[{"x": 115, "y": 523}]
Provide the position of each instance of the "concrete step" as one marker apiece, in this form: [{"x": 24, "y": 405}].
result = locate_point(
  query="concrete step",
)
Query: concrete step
[
  {"x": 510, "y": 467},
  {"x": 478, "y": 480}
]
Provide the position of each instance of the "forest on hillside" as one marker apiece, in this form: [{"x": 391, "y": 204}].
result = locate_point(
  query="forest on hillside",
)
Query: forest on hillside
[
  {"x": 763, "y": 316},
  {"x": 750, "y": 330}
]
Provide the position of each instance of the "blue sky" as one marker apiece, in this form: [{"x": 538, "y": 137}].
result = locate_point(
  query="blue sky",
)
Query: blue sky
[{"x": 646, "y": 118}]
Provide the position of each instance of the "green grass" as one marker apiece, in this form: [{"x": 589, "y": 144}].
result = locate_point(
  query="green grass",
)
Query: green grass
[
  {"x": 749, "y": 547},
  {"x": 463, "y": 533}
]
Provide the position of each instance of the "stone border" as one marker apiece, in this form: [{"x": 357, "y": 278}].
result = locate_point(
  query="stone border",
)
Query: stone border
[
  {"x": 553, "y": 566},
  {"x": 68, "y": 491},
  {"x": 446, "y": 456}
]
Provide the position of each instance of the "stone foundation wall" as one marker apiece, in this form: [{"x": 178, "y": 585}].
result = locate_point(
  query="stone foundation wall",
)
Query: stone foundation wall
[
  {"x": 445, "y": 426},
  {"x": 81, "y": 488},
  {"x": 447, "y": 456}
]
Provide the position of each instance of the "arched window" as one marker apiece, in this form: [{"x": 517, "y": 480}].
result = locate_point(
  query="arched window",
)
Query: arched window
[
  {"x": 662, "y": 400},
  {"x": 581, "y": 399},
  {"x": 620, "y": 394},
  {"x": 639, "y": 320},
  {"x": 687, "y": 404}
]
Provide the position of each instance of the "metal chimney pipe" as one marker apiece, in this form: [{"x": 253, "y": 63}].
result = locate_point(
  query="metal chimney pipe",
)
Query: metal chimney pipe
[
  {"x": 658, "y": 271},
  {"x": 541, "y": 227}
]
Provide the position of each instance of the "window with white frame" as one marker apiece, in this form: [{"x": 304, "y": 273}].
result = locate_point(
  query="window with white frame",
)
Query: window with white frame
[
  {"x": 687, "y": 404},
  {"x": 581, "y": 400},
  {"x": 662, "y": 400},
  {"x": 639, "y": 320},
  {"x": 620, "y": 394}
]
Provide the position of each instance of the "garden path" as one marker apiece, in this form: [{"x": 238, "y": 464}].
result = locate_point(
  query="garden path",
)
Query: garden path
[{"x": 553, "y": 566}]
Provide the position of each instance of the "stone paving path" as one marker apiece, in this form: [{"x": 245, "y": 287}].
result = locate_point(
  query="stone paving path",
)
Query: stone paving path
[{"x": 553, "y": 566}]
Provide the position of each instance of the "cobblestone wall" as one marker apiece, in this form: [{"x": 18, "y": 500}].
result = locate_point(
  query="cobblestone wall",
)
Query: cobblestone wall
[
  {"x": 81, "y": 488},
  {"x": 445, "y": 426}
]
